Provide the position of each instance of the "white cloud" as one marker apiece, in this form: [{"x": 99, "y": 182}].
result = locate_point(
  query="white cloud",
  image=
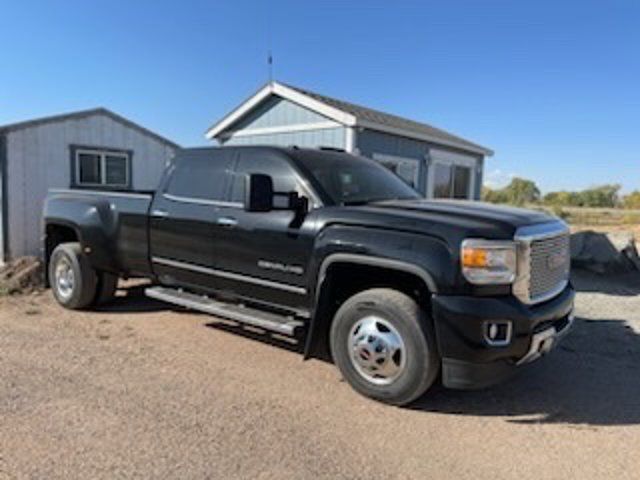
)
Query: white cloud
[{"x": 497, "y": 178}]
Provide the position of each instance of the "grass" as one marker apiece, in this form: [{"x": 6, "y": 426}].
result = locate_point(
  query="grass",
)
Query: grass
[{"x": 598, "y": 219}]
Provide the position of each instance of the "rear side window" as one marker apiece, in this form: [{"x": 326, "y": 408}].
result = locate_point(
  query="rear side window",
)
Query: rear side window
[
  {"x": 200, "y": 177},
  {"x": 283, "y": 174}
]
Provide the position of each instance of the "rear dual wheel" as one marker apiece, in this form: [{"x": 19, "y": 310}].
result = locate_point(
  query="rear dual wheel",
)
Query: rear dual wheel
[
  {"x": 75, "y": 284},
  {"x": 384, "y": 345}
]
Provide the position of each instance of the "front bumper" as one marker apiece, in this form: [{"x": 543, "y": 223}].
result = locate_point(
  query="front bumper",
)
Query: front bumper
[{"x": 469, "y": 361}]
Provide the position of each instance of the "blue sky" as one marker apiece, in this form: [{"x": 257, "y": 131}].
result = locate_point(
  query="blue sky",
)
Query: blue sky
[{"x": 552, "y": 87}]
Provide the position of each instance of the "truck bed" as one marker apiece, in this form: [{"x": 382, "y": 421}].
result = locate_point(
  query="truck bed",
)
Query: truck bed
[{"x": 116, "y": 220}]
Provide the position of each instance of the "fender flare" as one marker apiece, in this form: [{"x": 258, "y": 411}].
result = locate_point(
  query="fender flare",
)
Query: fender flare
[
  {"x": 373, "y": 261},
  {"x": 360, "y": 259}
]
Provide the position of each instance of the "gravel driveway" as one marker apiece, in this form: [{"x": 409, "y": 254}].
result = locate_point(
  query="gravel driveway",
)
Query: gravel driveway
[{"x": 143, "y": 391}]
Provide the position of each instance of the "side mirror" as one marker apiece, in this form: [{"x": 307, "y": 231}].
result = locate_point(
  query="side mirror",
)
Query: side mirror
[
  {"x": 259, "y": 193},
  {"x": 260, "y": 196}
]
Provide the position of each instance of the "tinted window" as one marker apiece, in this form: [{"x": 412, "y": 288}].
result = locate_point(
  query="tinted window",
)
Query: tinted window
[
  {"x": 347, "y": 179},
  {"x": 283, "y": 174},
  {"x": 201, "y": 176}
]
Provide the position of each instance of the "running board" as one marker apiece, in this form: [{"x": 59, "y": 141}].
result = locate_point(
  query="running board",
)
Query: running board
[{"x": 249, "y": 316}]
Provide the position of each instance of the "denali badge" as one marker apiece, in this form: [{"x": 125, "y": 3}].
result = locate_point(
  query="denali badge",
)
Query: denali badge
[
  {"x": 556, "y": 260},
  {"x": 281, "y": 267}
]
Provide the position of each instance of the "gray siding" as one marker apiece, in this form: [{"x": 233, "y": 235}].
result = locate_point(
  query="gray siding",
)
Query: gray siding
[
  {"x": 369, "y": 142},
  {"x": 39, "y": 159},
  {"x": 325, "y": 137},
  {"x": 277, "y": 112}
]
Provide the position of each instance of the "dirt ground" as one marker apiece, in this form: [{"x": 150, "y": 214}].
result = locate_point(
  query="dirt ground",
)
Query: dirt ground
[{"x": 139, "y": 390}]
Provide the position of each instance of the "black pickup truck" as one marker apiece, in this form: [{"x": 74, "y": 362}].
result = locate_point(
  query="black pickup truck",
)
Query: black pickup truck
[{"x": 333, "y": 250}]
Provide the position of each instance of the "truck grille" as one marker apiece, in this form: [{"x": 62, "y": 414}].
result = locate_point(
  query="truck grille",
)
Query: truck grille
[{"x": 543, "y": 262}]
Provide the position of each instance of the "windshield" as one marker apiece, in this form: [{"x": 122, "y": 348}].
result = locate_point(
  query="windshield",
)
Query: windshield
[{"x": 350, "y": 180}]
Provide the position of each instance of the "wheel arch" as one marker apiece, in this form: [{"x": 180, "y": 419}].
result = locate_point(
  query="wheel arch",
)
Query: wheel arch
[{"x": 329, "y": 293}]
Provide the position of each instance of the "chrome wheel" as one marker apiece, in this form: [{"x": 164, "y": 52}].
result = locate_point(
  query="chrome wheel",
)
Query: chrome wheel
[
  {"x": 64, "y": 278},
  {"x": 377, "y": 350}
]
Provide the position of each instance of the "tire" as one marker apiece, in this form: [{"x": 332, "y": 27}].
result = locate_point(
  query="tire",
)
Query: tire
[
  {"x": 106, "y": 289},
  {"x": 71, "y": 277},
  {"x": 364, "y": 344}
]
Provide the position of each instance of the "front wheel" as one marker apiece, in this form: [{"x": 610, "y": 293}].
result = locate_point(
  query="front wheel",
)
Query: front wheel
[
  {"x": 71, "y": 277},
  {"x": 384, "y": 346}
]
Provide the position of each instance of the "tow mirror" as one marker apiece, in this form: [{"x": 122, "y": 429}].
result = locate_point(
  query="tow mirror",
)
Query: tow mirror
[
  {"x": 259, "y": 193},
  {"x": 262, "y": 198}
]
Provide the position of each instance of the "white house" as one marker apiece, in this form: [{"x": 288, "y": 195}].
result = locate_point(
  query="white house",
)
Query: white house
[
  {"x": 437, "y": 163},
  {"x": 94, "y": 149}
]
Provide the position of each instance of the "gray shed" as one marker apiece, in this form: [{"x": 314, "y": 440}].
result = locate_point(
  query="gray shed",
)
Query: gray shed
[
  {"x": 94, "y": 149},
  {"x": 435, "y": 162}
]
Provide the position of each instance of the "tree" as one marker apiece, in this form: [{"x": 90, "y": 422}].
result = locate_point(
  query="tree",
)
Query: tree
[
  {"x": 603, "y": 196},
  {"x": 519, "y": 192},
  {"x": 632, "y": 200}
]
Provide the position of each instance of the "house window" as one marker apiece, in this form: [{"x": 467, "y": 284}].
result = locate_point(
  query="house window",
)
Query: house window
[
  {"x": 451, "y": 181},
  {"x": 408, "y": 169},
  {"x": 102, "y": 168}
]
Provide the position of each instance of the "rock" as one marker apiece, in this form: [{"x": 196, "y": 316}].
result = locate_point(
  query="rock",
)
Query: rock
[{"x": 604, "y": 252}]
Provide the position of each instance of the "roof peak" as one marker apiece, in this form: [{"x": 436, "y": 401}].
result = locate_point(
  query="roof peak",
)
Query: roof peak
[
  {"x": 77, "y": 114},
  {"x": 348, "y": 114}
]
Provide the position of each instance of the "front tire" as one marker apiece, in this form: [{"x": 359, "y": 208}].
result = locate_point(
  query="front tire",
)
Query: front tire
[
  {"x": 384, "y": 345},
  {"x": 71, "y": 277}
]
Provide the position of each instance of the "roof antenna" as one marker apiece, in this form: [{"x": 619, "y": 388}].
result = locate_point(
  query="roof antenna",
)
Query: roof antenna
[{"x": 269, "y": 49}]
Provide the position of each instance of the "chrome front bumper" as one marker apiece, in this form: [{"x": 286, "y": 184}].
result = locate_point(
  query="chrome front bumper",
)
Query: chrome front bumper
[{"x": 543, "y": 342}]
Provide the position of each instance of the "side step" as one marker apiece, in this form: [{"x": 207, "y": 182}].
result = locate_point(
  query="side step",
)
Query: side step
[{"x": 250, "y": 316}]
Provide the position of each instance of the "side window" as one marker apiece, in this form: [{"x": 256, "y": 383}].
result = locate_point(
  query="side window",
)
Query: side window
[
  {"x": 451, "y": 181},
  {"x": 200, "y": 178},
  {"x": 97, "y": 168},
  {"x": 283, "y": 174}
]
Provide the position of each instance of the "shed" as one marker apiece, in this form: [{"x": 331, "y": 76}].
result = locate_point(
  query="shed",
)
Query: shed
[
  {"x": 93, "y": 149},
  {"x": 437, "y": 163}
]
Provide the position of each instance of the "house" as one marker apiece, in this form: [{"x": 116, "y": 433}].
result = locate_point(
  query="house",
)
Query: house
[
  {"x": 94, "y": 149},
  {"x": 435, "y": 162}
]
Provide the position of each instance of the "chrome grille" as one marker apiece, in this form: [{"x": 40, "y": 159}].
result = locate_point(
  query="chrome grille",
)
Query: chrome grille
[{"x": 543, "y": 261}]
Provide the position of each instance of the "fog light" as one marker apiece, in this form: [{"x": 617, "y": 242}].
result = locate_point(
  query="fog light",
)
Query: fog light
[{"x": 498, "y": 333}]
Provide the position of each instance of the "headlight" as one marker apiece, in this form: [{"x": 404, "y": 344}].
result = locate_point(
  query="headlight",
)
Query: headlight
[{"x": 488, "y": 262}]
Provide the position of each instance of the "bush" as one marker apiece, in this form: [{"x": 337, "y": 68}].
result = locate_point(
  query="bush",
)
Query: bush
[
  {"x": 632, "y": 201},
  {"x": 519, "y": 192}
]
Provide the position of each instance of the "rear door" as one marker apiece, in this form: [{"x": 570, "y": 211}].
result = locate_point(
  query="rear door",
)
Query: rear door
[
  {"x": 265, "y": 255},
  {"x": 184, "y": 215}
]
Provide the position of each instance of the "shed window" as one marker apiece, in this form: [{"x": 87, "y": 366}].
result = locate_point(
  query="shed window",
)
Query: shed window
[
  {"x": 451, "y": 181},
  {"x": 98, "y": 168},
  {"x": 408, "y": 169}
]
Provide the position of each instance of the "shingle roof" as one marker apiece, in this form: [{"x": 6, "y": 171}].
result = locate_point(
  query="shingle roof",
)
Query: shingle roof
[
  {"x": 83, "y": 114},
  {"x": 377, "y": 117}
]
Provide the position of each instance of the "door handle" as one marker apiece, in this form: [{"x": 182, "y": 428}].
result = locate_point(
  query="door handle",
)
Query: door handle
[
  {"x": 228, "y": 222},
  {"x": 159, "y": 213}
]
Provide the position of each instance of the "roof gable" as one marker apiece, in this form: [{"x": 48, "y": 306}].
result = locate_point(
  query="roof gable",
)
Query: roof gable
[
  {"x": 347, "y": 114},
  {"x": 85, "y": 114}
]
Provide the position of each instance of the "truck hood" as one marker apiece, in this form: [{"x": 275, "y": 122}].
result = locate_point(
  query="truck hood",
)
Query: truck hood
[
  {"x": 463, "y": 217},
  {"x": 507, "y": 216}
]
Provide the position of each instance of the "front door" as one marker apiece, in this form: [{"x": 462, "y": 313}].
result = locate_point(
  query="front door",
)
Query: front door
[{"x": 264, "y": 256}]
